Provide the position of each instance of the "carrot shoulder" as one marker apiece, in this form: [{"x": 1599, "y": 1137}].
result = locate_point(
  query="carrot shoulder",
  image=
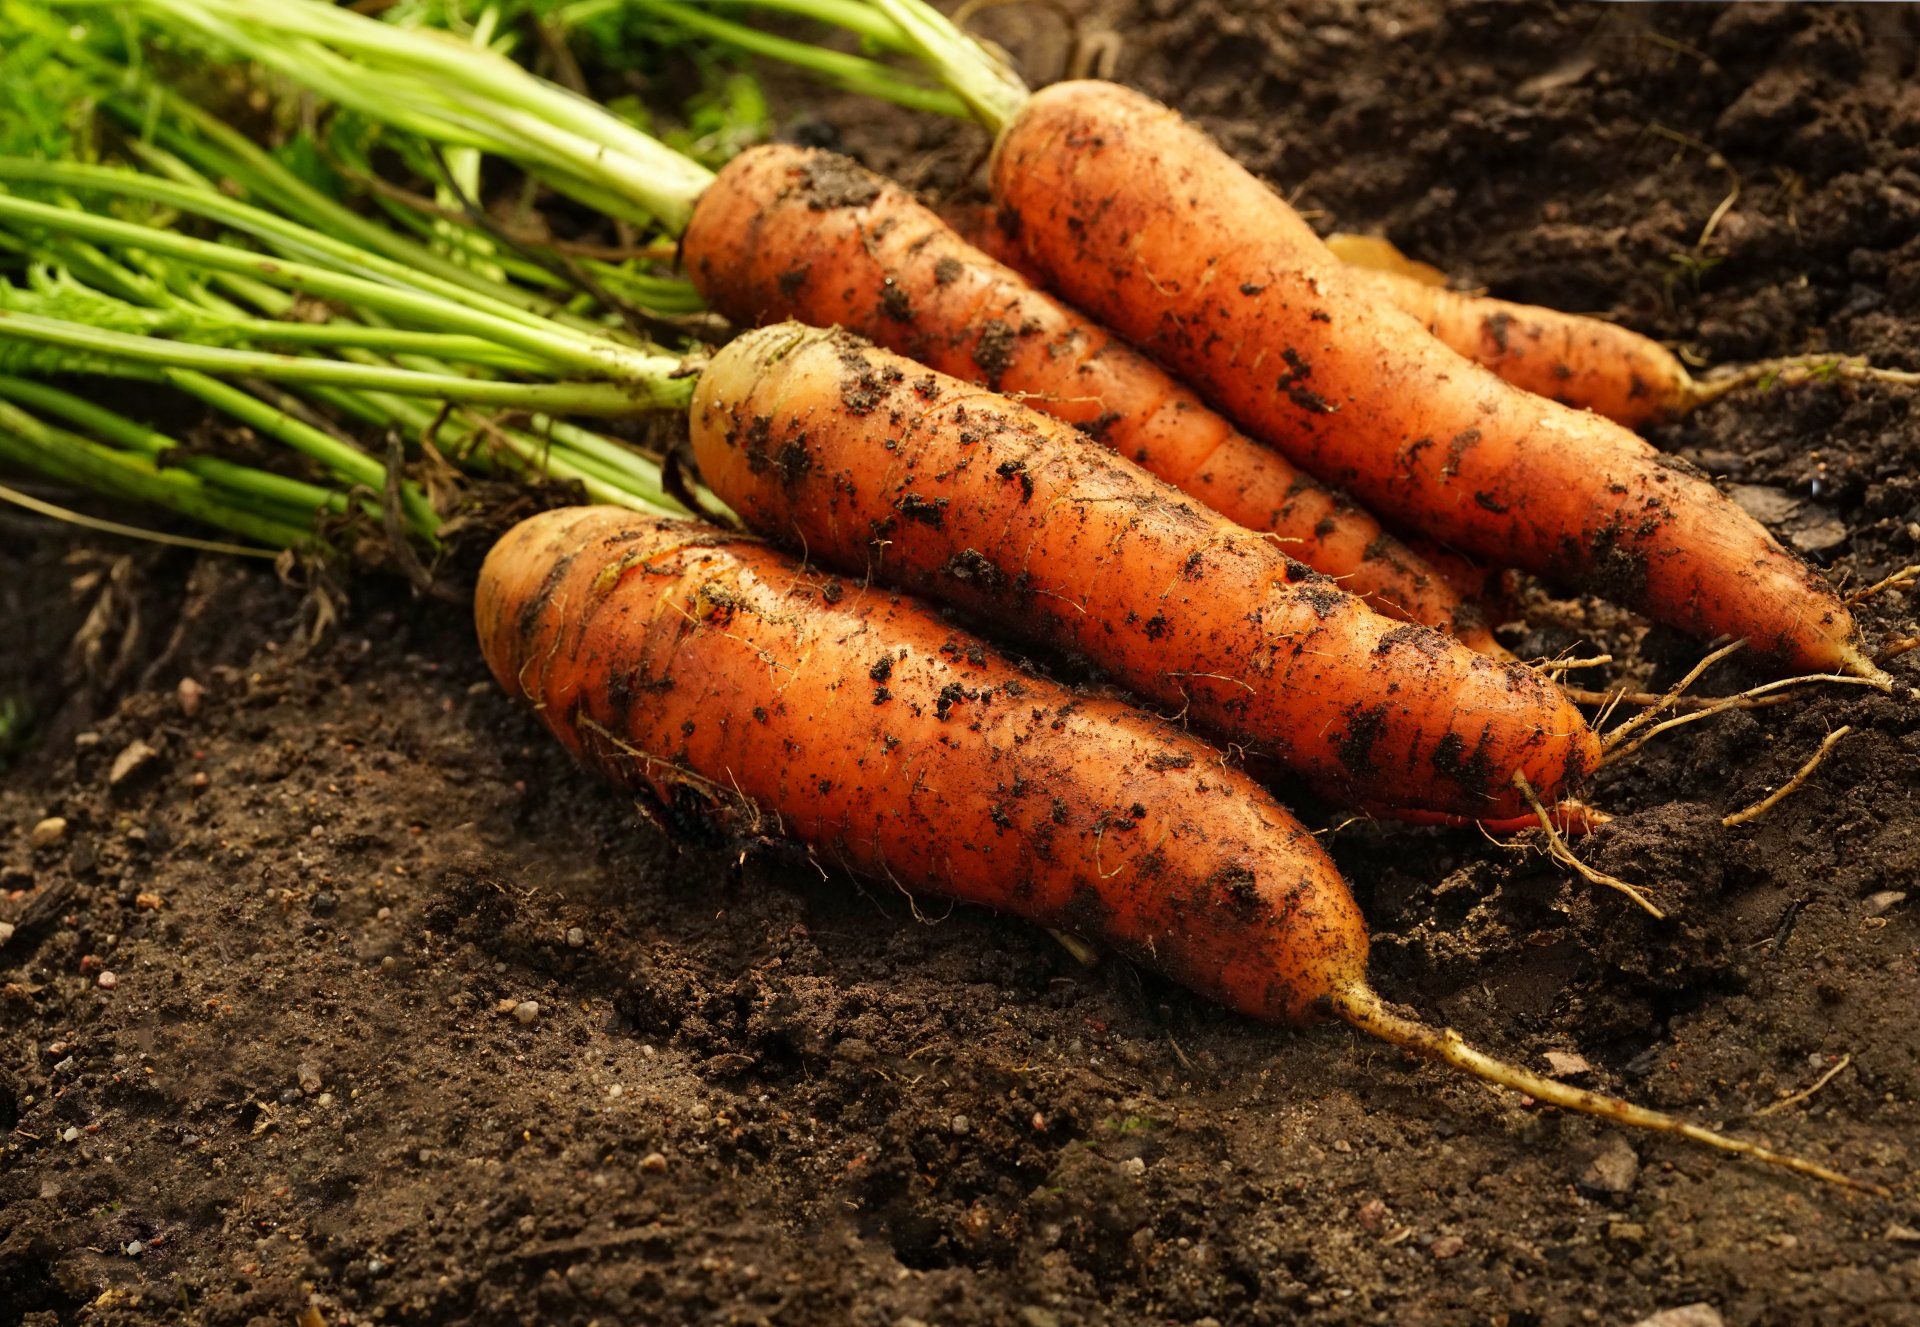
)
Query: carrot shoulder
[
  {"x": 720, "y": 678},
  {"x": 1147, "y": 224},
  {"x": 882, "y": 468},
  {"x": 788, "y": 232}
]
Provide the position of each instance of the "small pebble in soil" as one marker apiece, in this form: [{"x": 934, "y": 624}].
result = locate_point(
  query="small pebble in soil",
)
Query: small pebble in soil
[
  {"x": 70, "y": 1134},
  {"x": 199, "y": 781},
  {"x": 960, "y": 1125},
  {"x": 653, "y": 1163},
  {"x": 48, "y": 832},
  {"x": 1372, "y": 1215},
  {"x": 148, "y": 901},
  {"x": 6, "y": 932},
  {"x": 1447, "y": 1246},
  {"x": 1885, "y": 901},
  {"x": 107, "y": 980},
  {"x": 616, "y": 1090},
  {"x": 135, "y": 1248},
  {"x": 576, "y": 938},
  {"x": 1614, "y": 1171},
  {"x": 1567, "y": 1064},
  {"x": 324, "y": 903},
  {"x": 307, "y": 1074},
  {"x": 134, "y": 758},
  {"x": 189, "y": 693},
  {"x": 1686, "y": 1315},
  {"x": 527, "y": 1011},
  {"x": 1133, "y": 1167}
]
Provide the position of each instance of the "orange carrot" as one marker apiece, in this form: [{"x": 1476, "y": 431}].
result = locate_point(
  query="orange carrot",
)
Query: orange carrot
[
  {"x": 716, "y": 677},
  {"x": 880, "y": 467},
  {"x": 1586, "y": 363},
  {"x": 703, "y": 669},
  {"x": 1147, "y": 224},
  {"x": 788, "y": 232}
]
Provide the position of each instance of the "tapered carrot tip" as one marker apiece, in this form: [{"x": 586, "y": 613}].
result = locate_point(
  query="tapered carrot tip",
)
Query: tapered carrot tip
[
  {"x": 1361, "y": 1006},
  {"x": 1854, "y": 660}
]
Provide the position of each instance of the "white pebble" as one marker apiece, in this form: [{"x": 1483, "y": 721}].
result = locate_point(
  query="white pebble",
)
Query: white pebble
[
  {"x": 70, "y": 1134},
  {"x": 527, "y": 1010},
  {"x": 576, "y": 938},
  {"x": 107, "y": 980},
  {"x": 48, "y": 832}
]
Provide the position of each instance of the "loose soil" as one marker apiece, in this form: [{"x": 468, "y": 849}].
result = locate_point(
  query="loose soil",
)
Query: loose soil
[{"x": 753, "y": 1092}]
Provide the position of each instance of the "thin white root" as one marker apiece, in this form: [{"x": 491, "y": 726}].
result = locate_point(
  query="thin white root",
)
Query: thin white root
[
  {"x": 1674, "y": 693},
  {"x": 1905, "y": 576},
  {"x": 1791, "y": 786},
  {"x": 1580, "y": 696},
  {"x": 1614, "y": 751},
  {"x": 1557, "y": 849},
  {"x": 1796, "y": 1098},
  {"x": 1362, "y": 1007}
]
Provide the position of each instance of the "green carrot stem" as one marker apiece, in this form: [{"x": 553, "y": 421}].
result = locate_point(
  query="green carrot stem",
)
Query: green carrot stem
[
  {"x": 119, "y": 431},
  {"x": 55, "y": 511},
  {"x": 348, "y": 462},
  {"x": 578, "y": 398},
  {"x": 449, "y": 308},
  {"x": 992, "y": 91},
  {"x": 852, "y": 15},
  {"x": 851, "y": 73},
  {"x": 482, "y": 85},
  {"x": 28, "y": 440}
]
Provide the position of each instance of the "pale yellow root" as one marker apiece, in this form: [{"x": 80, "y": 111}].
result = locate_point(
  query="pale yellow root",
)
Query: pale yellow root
[
  {"x": 1791, "y": 786},
  {"x": 1557, "y": 849},
  {"x": 1362, "y": 1007}
]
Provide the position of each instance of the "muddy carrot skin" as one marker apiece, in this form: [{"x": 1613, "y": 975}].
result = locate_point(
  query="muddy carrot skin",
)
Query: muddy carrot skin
[
  {"x": 1585, "y": 363},
  {"x": 716, "y": 676},
  {"x": 871, "y": 463},
  {"x": 1145, "y": 223},
  {"x": 789, "y": 232}
]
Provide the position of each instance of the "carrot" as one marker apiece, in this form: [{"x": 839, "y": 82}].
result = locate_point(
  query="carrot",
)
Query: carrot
[
  {"x": 1146, "y": 223},
  {"x": 882, "y": 468},
  {"x": 1586, "y": 363},
  {"x": 717, "y": 678},
  {"x": 702, "y": 668},
  {"x": 789, "y": 232}
]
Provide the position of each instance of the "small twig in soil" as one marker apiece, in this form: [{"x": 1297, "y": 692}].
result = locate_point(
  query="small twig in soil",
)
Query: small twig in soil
[
  {"x": 1557, "y": 849},
  {"x": 1805, "y": 1092},
  {"x": 1791, "y": 786}
]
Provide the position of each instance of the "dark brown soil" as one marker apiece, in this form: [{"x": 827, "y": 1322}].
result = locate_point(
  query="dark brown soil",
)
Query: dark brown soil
[{"x": 305, "y": 1084}]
